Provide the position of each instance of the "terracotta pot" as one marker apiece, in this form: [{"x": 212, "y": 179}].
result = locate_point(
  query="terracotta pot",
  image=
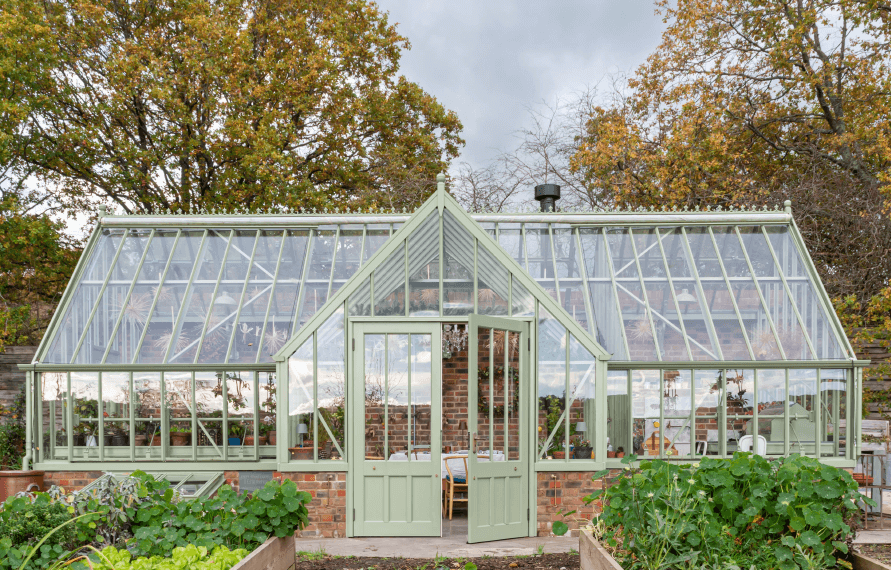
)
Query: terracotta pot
[
  {"x": 180, "y": 439},
  {"x": 12, "y": 482},
  {"x": 140, "y": 440},
  {"x": 559, "y": 455},
  {"x": 610, "y": 454},
  {"x": 271, "y": 438},
  {"x": 620, "y": 454},
  {"x": 301, "y": 453},
  {"x": 862, "y": 479},
  {"x": 156, "y": 441},
  {"x": 249, "y": 440}
]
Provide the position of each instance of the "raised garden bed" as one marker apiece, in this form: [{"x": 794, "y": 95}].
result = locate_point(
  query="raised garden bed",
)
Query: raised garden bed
[{"x": 593, "y": 555}]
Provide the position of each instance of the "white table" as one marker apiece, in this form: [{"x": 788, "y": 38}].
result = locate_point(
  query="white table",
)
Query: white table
[{"x": 456, "y": 465}]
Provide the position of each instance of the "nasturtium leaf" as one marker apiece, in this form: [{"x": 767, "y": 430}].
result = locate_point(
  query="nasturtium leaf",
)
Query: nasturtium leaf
[
  {"x": 559, "y": 528},
  {"x": 809, "y": 538}
]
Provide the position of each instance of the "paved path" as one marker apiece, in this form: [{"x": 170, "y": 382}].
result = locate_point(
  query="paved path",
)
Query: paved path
[
  {"x": 874, "y": 536},
  {"x": 424, "y": 547}
]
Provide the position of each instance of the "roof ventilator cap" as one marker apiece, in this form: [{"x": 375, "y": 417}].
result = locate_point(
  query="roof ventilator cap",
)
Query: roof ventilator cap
[{"x": 547, "y": 194}]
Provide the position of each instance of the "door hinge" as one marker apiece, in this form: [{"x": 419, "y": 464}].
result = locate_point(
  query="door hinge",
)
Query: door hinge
[
  {"x": 527, "y": 514},
  {"x": 354, "y": 345},
  {"x": 354, "y": 515},
  {"x": 529, "y": 344}
]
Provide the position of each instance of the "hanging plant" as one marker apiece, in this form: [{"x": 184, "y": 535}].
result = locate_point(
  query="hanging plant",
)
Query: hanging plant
[{"x": 498, "y": 408}]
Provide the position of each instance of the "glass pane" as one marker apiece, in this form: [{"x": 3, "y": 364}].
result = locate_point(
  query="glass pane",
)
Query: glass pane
[
  {"x": 688, "y": 296},
  {"x": 348, "y": 257},
  {"x": 255, "y": 300},
  {"x": 707, "y": 391},
  {"x": 669, "y": 335},
  {"x": 485, "y": 404},
  {"x": 641, "y": 343},
  {"x": 511, "y": 239},
  {"x": 421, "y": 396},
  {"x": 284, "y": 297},
  {"x": 109, "y": 307},
  {"x": 397, "y": 397},
  {"x": 551, "y": 384},
  {"x": 170, "y": 298},
  {"x": 75, "y": 320},
  {"x": 498, "y": 392},
  {"x": 318, "y": 276},
  {"x": 209, "y": 410},
  {"x": 607, "y": 325},
  {"x": 116, "y": 409},
  {"x": 53, "y": 406},
  {"x": 268, "y": 411},
  {"x": 705, "y": 260},
  {"x": 645, "y": 400},
  {"x": 85, "y": 407},
  {"x": 423, "y": 268},
  {"x": 725, "y": 321},
  {"x": 826, "y": 343},
  {"x": 802, "y": 411},
  {"x": 375, "y": 347},
  {"x": 300, "y": 402},
  {"x": 332, "y": 386},
  {"x": 582, "y": 366},
  {"x": 522, "y": 302},
  {"x": 513, "y": 397},
  {"x": 618, "y": 414},
  {"x": 707, "y": 434},
  {"x": 375, "y": 236},
  {"x": 833, "y": 386},
  {"x": 458, "y": 268},
  {"x": 740, "y": 386},
  {"x": 771, "y": 409},
  {"x": 389, "y": 284},
  {"x": 677, "y": 401},
  {"x": 493, "y": 284},
  {"x": 489, "y": 227},
  {"x": 199, "y": 298},
  {"x": 540, "y": 258},
  {"x": 219, "y": 328},
  {"x": 360, "y": 300},
  {"x": 178, "y": 397},
  {"x": 147, "y": 403}
]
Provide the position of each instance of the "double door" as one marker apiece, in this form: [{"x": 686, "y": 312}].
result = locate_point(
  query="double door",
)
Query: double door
[{"x": 396, "y": 464}]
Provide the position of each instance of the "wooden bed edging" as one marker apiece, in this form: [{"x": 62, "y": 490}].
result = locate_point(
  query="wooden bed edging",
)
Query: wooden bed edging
[
  {"x": 274, "y": 554},
  {"x": 593, "y": 556},
  {"x": 866, "y": 563}
]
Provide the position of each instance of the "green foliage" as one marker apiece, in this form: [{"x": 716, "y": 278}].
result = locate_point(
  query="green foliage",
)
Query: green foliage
[
  {"x": 746, "y": 511},
  {"x": 188, "y": 557},
  {"x": 26, "y": 522},
  {"x": 12, "y": 433},
  {"x": 237, "y": 521}
]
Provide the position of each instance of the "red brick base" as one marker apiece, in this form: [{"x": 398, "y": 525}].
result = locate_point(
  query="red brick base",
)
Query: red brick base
[{"x": 70, "y": 480}]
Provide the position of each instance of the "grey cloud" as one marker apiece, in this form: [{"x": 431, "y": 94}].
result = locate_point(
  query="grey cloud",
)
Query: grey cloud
[{"x": 489, "y": 61}]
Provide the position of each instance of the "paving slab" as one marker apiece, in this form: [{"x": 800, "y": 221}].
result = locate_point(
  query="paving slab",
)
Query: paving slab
[
  {"x": 430, "y": 547},
  {"x": 873, "y": 536}
]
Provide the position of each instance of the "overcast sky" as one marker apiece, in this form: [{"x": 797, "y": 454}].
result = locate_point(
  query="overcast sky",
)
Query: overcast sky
[{"x": 490, "y": 61}]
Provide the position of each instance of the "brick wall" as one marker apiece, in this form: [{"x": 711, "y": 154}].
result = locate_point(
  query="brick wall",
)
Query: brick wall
[
  {"x": 70, "y": 480},
  {"x": 11, "y": 378},
  {"x": 563, "y": 492}
]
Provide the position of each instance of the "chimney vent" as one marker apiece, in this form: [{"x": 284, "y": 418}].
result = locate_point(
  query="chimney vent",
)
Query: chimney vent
[{"x": 547, "y": 194}]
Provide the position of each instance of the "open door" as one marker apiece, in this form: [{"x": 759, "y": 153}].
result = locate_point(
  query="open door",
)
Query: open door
[{"x": 498, "y": 464}]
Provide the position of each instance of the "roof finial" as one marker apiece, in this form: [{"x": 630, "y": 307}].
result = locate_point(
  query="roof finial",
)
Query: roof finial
[
  {"x": 787, "y": 206},
  {"x": 440, "y": 181},
  {"x": 101, "y": 211}
]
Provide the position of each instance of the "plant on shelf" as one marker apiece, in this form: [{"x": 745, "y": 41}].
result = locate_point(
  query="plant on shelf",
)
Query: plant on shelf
[
  {"x": 236, "y": 432},
  {"x": 180, "y": 434},
  {"x": 582, "y": 448}
]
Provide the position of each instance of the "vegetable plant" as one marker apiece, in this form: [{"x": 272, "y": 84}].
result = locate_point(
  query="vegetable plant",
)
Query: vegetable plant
[{"x": 789, "y": 513}]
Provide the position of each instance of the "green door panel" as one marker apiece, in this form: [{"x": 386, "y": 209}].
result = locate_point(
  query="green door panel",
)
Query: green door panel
[
  {"x": 397, "y": 368},
  {"x": 498, "y": 382}
]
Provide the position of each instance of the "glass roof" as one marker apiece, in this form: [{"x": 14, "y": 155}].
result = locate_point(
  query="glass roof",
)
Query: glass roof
[{"x": 678, "y": 291}]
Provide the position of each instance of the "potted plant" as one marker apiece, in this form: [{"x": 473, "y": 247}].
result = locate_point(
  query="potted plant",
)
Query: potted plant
[
  {"x": 120, "y": 434},
  {"x": 559, "y": 451},
  {"x": 81, "y": 431},
  {"x": 582, "y": 449},
  {"x": 267, "y": 432},
  {"x": 236, "y": 431},
  {"x": 620, "y": 452},
  {"x": 180, "y": 435}
]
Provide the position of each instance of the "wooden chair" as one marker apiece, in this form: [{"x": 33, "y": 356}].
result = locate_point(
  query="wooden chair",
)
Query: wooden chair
[{"x": 454, "y": 484}]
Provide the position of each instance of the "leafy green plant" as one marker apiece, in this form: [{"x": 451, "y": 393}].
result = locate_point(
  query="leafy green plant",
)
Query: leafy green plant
[
  {"x": 790, "y": 513},
  {"x": 12, "y": 433},
  {"x": 26, "y": 522},
  {"x": 234, "y": 520},
  {"x": 189, "y": 557}
]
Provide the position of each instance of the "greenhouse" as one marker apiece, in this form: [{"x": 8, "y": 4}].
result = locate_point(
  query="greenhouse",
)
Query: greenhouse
[{"x": 402, "y": 354}]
